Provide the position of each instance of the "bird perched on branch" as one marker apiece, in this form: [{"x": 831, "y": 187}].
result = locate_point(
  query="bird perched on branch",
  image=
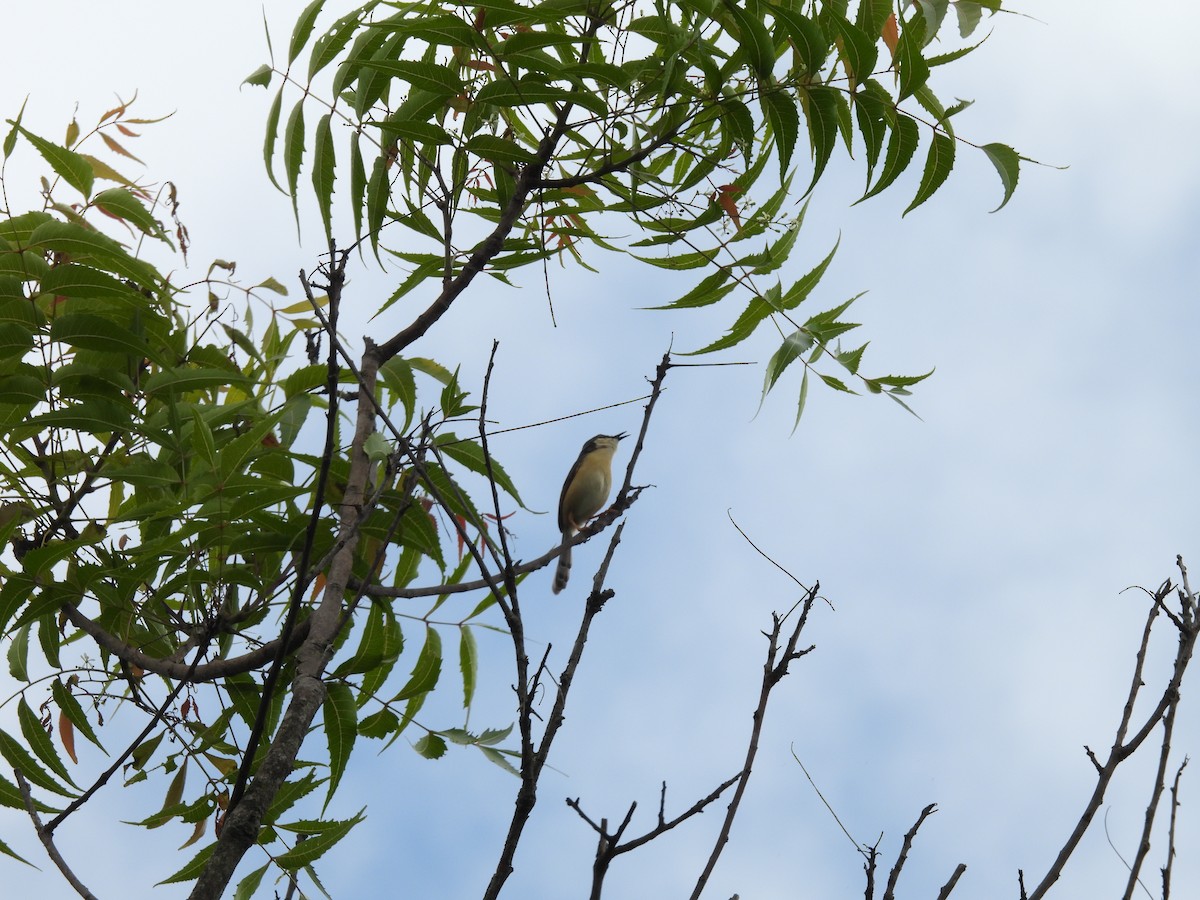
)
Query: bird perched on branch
[{"x": 584, "y": 494}]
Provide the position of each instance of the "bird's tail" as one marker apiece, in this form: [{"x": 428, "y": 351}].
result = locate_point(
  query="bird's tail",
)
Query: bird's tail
[{"x": 563, "y": 573}]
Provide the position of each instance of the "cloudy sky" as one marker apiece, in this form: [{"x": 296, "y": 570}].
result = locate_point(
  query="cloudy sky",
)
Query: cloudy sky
[{"x": 975, "y": 559}]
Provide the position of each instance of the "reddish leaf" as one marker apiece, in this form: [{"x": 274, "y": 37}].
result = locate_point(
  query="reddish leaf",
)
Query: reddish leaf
[
  {"x": 117, "y": 148},
  {"x": 725, "y": 197},
  {"x": 66, "y": 733},
  {"x": 891, "y": 35}
]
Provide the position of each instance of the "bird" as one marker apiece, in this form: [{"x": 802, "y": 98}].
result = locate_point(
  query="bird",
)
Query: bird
[{"x": 584, "y": 494}]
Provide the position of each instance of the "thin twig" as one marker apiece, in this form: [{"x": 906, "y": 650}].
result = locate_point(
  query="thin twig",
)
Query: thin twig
[
  {"x": 774, "y": 669},
  {"x": 1168, "y": 868},
  {"x": 46, "y": 836},
  {"x": 845, "y": 831}
]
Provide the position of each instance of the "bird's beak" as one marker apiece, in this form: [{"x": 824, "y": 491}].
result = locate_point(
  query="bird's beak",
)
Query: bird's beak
[{"x": 622, "y": 435}]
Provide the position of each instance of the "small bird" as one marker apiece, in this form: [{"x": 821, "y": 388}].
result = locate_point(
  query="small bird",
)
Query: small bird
[{"x": 584, "y": 494}]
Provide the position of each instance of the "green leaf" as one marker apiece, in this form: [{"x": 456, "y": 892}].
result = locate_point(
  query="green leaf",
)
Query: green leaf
[
  {"x": 1007, "y": 162},
  {"x": 910, "y": 64},
  {"x": 304, "y": 29},
  {"x": 759, "y": 309},
  {"x": 272, "y": 132},
  {"x": 10, "y": 140},
  {"x": 439, "y": 80},
  {"x": 779, "y": 108},
  {"x": 94, "y": 332},
  {"x": 938, "y": 164},
  {"x": 322, "y": 173},
  {"x": 19, "y": 758},
  {"x": 120, "y": 203},
  {"x": 859, "y": 50},
  {"x": 873, "y": 108},
  {"x": 187, "y": 378},
  {"x": 18, "y": 654},
  {"x": 321, "y": 837},
  {"x": 84, "y": 245},
  {"x": 260, "y": 77},
  {"x": 430, "y": 746},
  {"x": 468, "y": 662},
  {"x": 820, "y": 106},
  {"x": 341, "y": 729},
  {"x": 8, "y": 851},
  {"x": 498, "y": 150},
  {"x": 901, "y": 147},
  {"x": 71, "y": 708},
  {"x": 248, "y": 885},
  {"x": 191, "y": 871},
  {"x": 468, "y": 453},
  {"x": 529, "y": 91},
  {"x": 39, "y": 741},
  {"x": 795, "y": 344},
  {"x": 801, "y": 401},
  {"x": 707, "y": 292},
  {"x": 806, "y": 36},
  {"x": 69, "y": 165},
  {"x": 799, "y": 291},
  {"x": 752, "y": 37},
  {"x": 427, "y": 670},
  {"x": 293, "y": 152}
]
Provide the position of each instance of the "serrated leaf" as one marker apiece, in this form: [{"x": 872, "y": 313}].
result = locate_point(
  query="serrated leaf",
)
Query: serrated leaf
[
  {"x": 707, "y": 292},
  {"x": 911, "y": 67},
  {"x": 69, "y": 165},
  {"x": 8, "y": 851},
  {"x": 469, "y": 454},
  {"x": 795, "y": 344},
  {"x": 341, "y": 729},
  {"x": 39, "y": 741},
  {"x": 439, "y": 80},
  {"x": 19, "y": 758},
  {"x": 293, "y": 153},
  {"x": 260, "y": 77},
  {"x": 753, "y": 37},
  {"x": 71, "y": 708},
  {"x": 1007, "y": 162},
  {"x": 806, "y": 38},
  {"x": 18, "y": 654},
  {"x": 248, "y": 885},
  {"x": 858, "y": 50},
  {"x": 10, "y": 140},
  {"x": 820, "y": 107},
  {"x": 122, "y": 204},
  {"x": 192, "y": 869},
  {"x": 272, "y": 133},
  {"x": 781, "y": 114},
  {"x": 901, "y": 147},
  {"x": 322, "y": 173},
  {"x": 318, "y": 841},
  {"x": 304, "y": 29},
  {"x": 938, "y": 164},
  {"x": 468, "y": 663},
  {"x": 430, "y": 746},
  {"x": 427, "y": 670},
  {"x": 801, "y": 401}
]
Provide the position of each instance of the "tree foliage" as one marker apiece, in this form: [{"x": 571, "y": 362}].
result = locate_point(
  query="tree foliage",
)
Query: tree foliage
[{"x": 167, "y": 471}]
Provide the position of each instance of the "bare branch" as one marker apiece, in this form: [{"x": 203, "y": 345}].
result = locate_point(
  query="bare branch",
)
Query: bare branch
[
  {"x": 46, "y": 836},
  {"x": 1168, "y": 868},
  {"x": 949, "y": 885},
  {"x": 774, "y": 669},
  {"x": 889, "y": 892}
]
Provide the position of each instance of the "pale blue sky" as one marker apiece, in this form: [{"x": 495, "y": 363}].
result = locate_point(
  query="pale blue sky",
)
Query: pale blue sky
[{"x": 975, "y": 558}]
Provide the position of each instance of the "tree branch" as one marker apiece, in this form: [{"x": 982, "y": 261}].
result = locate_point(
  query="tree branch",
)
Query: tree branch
[{"x": 46, "y": 836}]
